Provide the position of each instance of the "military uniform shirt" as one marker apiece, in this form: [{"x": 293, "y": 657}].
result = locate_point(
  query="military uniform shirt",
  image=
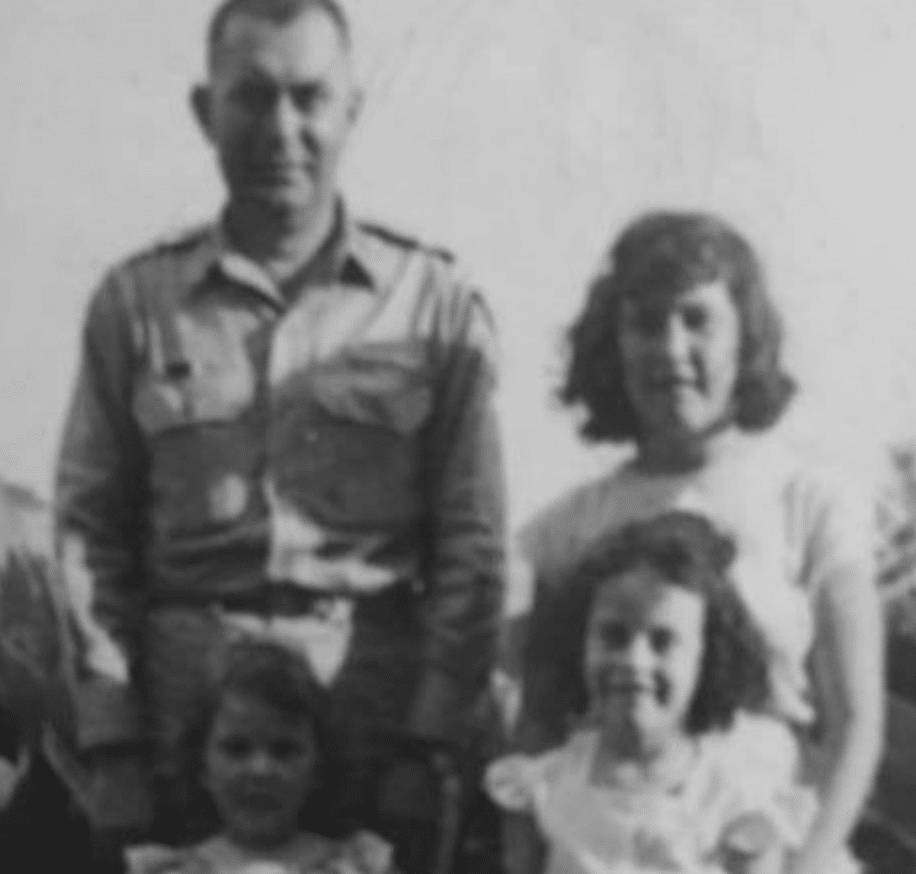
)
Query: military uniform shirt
[{"x": 342, "y": 437}]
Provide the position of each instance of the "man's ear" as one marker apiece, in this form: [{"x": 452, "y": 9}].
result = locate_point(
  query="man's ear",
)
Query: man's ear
[
  {"x": 356, "y": 105},
  {"x": 200, "y": 108}
]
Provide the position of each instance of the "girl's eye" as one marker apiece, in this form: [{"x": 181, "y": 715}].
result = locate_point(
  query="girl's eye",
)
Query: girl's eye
[
  {"x": 696, "y": 318},
  {"x": 235, "y": 747},
  {"x": 285, "y": 749},
  {"x": 661, "y": 639},
  {"x": 615, "y": 636}
]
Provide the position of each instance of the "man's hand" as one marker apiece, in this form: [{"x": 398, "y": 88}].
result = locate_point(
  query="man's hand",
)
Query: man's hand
[{"x": 12, "y": 773}]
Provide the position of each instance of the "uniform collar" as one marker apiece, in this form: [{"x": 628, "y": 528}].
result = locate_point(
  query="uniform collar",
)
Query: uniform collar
[{"x": 347, "y": 257}]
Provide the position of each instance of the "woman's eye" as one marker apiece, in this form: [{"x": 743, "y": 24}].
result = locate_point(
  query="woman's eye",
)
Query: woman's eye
[
  {"x": 661, "y": 639},
  {"x": 649, "y": 322}
]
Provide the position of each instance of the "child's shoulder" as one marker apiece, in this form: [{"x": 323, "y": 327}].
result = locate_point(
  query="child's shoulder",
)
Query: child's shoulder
[
  {"x": 514, "y": 781},
  {"x": 162, "y": 859}
]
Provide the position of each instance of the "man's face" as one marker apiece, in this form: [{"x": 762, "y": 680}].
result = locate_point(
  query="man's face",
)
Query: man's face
[{"x": 278, "y": 108}]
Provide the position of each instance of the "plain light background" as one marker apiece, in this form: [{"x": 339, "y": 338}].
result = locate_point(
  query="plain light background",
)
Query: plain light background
[{"x": 521, "y": 133}]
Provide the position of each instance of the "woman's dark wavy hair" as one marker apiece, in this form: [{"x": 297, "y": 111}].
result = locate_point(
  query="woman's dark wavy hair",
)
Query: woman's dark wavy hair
[
  {"x": 687, "y": 551},
  {"x": 272, "y": 675},
  {"x": 675, "y": 251}
]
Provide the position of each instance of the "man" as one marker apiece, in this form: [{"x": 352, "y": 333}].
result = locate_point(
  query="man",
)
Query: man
[{"x": 283, "y": 424}]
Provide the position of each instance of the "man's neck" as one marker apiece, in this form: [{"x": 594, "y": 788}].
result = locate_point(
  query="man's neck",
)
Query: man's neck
[{"x": 282, "y": 243}]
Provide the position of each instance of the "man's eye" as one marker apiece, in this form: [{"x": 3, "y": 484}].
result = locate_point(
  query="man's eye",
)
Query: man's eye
[
  {"x": 254, "y": 96},
  {"x": 661, "y": 639},
  {"x": 308, "y": 97}
]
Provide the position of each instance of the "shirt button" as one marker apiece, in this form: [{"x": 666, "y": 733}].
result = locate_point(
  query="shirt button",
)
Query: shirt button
[{"x": 228, "y": 498}]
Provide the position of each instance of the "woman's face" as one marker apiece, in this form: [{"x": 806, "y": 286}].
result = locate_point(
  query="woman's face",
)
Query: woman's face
[
  {"x": 643, "y": 652},
  {"x": 680, "y": 355},
  {"x": 259, "y": 766}
]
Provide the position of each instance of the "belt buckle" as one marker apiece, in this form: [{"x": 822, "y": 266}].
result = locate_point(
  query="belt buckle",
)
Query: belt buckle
[{"x": 282, "y": 599}]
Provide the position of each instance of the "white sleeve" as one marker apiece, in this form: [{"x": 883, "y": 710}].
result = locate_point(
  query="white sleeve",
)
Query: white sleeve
[
  {"x": 839, "y": 521},
  {"x": 512, "y": 782}
]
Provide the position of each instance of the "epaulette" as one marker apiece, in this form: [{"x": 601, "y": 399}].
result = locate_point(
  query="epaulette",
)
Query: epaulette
[
  {"x": 173, "y": 241},
  {"x": 405, "y": 241}
]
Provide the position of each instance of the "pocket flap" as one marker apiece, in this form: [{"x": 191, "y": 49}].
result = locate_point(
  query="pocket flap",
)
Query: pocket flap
[{"x": 373, "y": 390}]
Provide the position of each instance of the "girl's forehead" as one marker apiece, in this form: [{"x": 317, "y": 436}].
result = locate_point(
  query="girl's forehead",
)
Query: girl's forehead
[
  {"x": 644, "y": 590},
  {"x": 709, "y": 293},
  {"x": 238, "y": 711}
]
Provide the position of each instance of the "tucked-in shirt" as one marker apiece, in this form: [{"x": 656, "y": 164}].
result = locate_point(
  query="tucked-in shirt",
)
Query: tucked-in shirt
[{"x": 340, "y": 435}]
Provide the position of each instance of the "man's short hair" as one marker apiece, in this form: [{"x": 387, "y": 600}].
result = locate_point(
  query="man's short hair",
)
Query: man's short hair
[{"x": 276, "y": 11}]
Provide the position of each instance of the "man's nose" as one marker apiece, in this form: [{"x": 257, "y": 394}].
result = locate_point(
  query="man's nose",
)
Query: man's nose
[{"x": 284, "y": 119}]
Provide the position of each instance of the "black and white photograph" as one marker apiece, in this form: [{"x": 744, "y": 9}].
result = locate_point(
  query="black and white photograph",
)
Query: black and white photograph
[{"x": 457, "y": 437}]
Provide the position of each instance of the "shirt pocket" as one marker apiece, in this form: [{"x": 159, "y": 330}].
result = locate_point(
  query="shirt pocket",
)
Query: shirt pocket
[
  {"x": 348, "y": 445},
  {"x": 379, "y": 387},
  {"x": 193, "y": 422}
]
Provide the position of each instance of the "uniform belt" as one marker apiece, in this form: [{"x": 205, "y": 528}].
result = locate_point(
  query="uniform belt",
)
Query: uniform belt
[{"x": 269, "y": 598}]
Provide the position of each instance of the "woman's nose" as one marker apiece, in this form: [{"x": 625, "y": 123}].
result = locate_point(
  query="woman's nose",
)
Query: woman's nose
[{"x": 675, "y": 339}]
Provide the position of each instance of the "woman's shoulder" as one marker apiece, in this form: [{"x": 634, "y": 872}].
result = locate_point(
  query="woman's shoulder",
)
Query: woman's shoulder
[
  {"x": 805, "y": 472},
  {"x": 563, "y": 526}
]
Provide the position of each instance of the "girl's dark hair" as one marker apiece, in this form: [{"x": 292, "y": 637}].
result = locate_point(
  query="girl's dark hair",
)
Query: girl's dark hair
[
  {"x": 674, "y": 251},
  {"x": 688, "y": 552},
  {"x": 270, "y": 674}
]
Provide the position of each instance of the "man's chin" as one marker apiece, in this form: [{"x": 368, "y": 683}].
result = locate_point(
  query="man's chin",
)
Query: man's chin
[{"x": 281, "y": 200}]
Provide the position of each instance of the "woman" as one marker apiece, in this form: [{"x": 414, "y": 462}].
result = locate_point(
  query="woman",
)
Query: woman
[{"x": 677, "y": 352}]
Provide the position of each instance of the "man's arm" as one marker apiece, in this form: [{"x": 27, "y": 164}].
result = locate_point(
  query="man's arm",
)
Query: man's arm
[
  {"x": 466, "y": 491},
  {"x": 101, "y": 487}
]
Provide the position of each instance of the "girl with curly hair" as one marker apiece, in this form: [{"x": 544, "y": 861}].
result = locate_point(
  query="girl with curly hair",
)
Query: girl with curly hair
[
  {"x": 667, "y": 769},
  {"x": 677, "y": 354},
  {"x": 260, "y": 738}
]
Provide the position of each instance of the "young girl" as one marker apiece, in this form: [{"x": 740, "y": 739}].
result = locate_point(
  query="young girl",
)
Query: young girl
[
  {"x": 668, "y": 772},
  {"x": 260, "y": 739}
]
